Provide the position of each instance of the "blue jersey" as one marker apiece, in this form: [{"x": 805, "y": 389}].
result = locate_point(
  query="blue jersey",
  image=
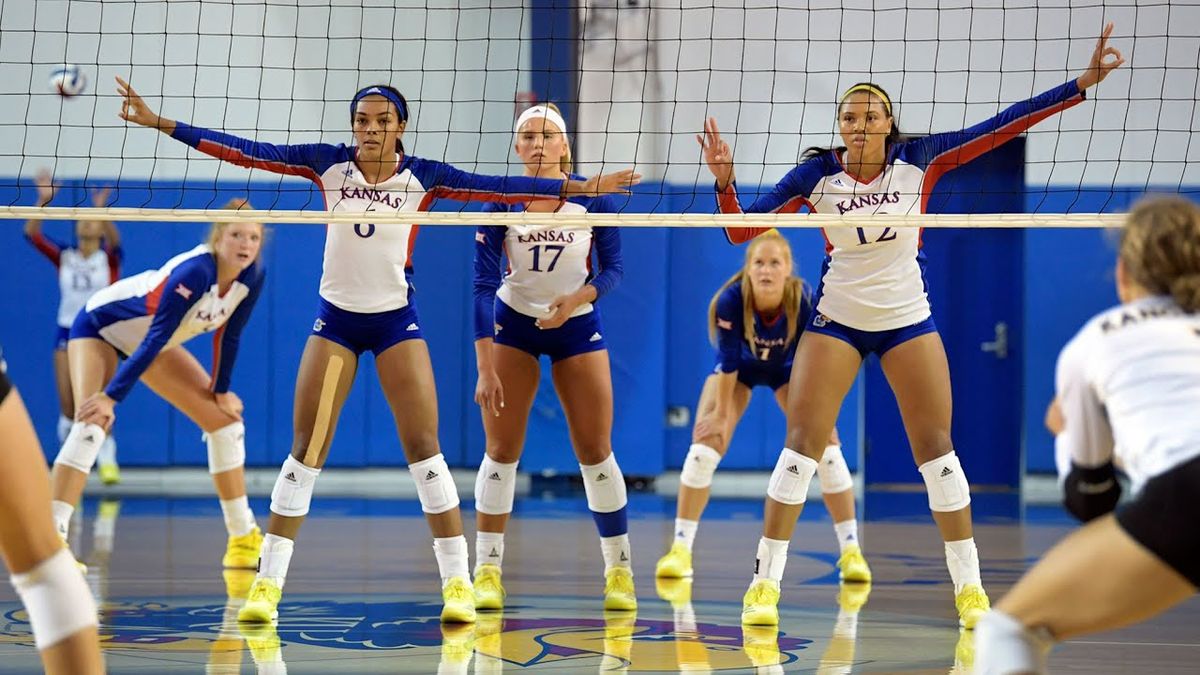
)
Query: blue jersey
[
  {"x": 543, "y": 262},
  {"x": 873, "y": 277},
  {"x": 159, "y": 309},
  {"x": 366, "y": 268},
  {"x": 771, "y": 347}
]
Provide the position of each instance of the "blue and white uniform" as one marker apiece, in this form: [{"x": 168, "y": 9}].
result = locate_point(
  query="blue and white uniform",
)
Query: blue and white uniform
[
  {"x": 872, "y": 292},
  {"x": 543, "y": 263},
  {"x": 366, "y": 292},
  {"x": 768, "y": 362},
  {"x": 78, "y": 277},
  {"x": 159, "y": 309}
]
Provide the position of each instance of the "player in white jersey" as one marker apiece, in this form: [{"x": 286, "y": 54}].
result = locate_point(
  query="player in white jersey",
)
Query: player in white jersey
[
  {"x": 366, "y": 303},
  {"x": 1128, "y": 389},
  {"x": 92, "y": 263},
  {"x": 872, "y": 300},
  {"x": 61, "y": 609},
  {"x": 543, "y": 303},
  {"x": 133, "y": 330}
]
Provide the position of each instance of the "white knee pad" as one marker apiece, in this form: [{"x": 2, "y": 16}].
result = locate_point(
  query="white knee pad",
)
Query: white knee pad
[
  {"x": 495, "y": 486},
  {"x": 789, "y": 481},
  {"x": 832, "y": 471},
  {"x": 226, "y": 448},
  {"x": 64, "y": 427},
  {"x": 699, "y": 466},
  {"x": 82, "y": 446},
  {"x": 435, "y": 486},
  {"x": 56, "y": 598},
  {"x": 293, "y": 491},
  {"x": 946, "y": 483},
  {"x": 1003, "y": 645},
  {"x": 604, "y": 485}
]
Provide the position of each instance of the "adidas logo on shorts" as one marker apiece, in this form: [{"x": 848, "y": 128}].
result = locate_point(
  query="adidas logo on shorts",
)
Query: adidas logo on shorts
[
  {"x": 412, "y": 326},
  {"x": 792, "y": 469},
  {"x": 595, "y": 337},
  {"x": 946, "y": 471},
  {"x": 494, "y": 476},
  {"x": 291, "y": 476},
  {"x": 431, "y": 475}
]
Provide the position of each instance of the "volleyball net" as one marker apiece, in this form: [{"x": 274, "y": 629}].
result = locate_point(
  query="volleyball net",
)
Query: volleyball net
[{"x": 635, "y": 82}]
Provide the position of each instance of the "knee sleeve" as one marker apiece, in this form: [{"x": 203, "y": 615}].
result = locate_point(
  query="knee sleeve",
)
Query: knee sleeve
[
  {"x": 1003, "y": 645},
  {"x": 946, "y": 484},
  {"x": 435, "y": 486},
  {"x": 495, "y": 486},
  {"x": 82, "y": 446},
  {"x": 699, "y": 466},
  {"x": 604, "y": 485},
  {"x": 789, "y": 481},
  {"x": 56, "y": 598},
  {"x": 832, "y": 471},
  {"x": 226, "y": 448},
  {"x": 293, "y": 489}
]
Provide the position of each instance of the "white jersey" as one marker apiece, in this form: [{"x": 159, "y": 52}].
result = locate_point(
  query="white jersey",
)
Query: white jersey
[
  {"x": 874, "y": 276},
  {"x": 366, "y": 267},
  {"x": 1129, "y": 383},
  {"x": 544, "y": 263},
  {"x": 78, "y": 275}
]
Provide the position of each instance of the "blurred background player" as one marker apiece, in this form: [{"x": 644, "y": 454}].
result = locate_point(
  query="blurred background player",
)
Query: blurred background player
[
  {"x": 1127, "y": 388},
  {"x": 92, "y": 263},
  {"x": 61, "y": 610},
  {"x": 544, "y": 304},
  {"x": 146, "y": 319},
  {"x": 872, "y": 299},
  {"x": 755, "y": 320},
  {"x": 366, "y": 304}
]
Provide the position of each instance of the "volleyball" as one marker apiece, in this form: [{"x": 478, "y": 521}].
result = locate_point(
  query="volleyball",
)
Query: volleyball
[{"x": 68, "y": 80}]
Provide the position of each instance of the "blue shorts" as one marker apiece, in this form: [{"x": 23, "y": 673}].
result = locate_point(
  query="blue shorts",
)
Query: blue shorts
[
  {"x": 579, "y": 335},
  {"x": 376, "y": 332},
  {"x": 868, "y": 342},
  {"x": 61, "y": 336},
  {"x": 84, "y": 326},
  {"x": 761, "y": 373}
]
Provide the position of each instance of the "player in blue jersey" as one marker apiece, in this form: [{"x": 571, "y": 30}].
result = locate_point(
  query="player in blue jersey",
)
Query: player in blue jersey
[
  {"x": 59, "y": 606},
  {"x": 134, "y": 330},
  {"x": 92, "y": 263},
  {"x": 543, "y": 304},
  {"x": 872, "y": 299},
  {"x": 366, "y": 304},
  {"x": 755, "y": 320}
]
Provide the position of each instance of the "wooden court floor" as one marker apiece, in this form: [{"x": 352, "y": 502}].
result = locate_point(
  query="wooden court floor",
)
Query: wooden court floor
[{"x": 362, "y": 596}]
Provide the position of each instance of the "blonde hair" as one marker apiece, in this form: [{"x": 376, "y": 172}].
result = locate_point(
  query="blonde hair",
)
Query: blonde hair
[
  {"x": 793, "y": 291},
  {"x": 217, "y": 229},
  {"x": 1160, "y": 249}
]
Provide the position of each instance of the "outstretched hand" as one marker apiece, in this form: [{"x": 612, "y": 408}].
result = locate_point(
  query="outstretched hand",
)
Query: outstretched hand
[
  {"x": 716, "y": 152},
  {"x": 44, "y": 181},
  {"x": 134, "y": 108},
  {"x": 617, "y": 183},
  {"x": 1101, "y": 65}
]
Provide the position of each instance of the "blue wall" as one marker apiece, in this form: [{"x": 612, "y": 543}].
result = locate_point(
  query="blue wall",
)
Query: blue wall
[{"x": 654, "y": 323}]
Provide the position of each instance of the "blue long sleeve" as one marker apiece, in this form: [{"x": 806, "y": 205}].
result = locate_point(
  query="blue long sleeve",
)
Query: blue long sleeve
[
  {"x": 607, "y": 241},
  {"x": 489, "y": 247},
  {"x": 182, "y": 289},
  {"x": 731, "y": 331},
  {"x": 227, "y": 339},
  {"x": 308, "y": 160},
  {"x": 444, "y": 181}
]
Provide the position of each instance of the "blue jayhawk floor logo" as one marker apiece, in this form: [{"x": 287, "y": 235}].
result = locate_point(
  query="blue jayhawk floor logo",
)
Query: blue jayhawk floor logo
[{"x": 523, "y": 637}]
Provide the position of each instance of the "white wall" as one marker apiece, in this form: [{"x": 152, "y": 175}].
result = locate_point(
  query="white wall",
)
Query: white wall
[
  {"x": 771, "y": 72},
  {"x": 280, "y": 72}
]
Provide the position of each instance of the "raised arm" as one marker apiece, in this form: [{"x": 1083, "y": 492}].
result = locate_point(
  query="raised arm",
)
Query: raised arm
[
  {"x": 33, "y": 227},
  {"x": 306, "y": 160},
  {"x": 445, "y": 181}
]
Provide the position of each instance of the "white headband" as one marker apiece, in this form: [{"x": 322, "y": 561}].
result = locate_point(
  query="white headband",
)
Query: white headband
[{"x": 544, "y": 112}]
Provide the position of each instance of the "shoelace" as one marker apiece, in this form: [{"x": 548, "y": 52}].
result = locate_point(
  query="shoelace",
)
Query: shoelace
[
  {"x": 457, "y": 591},
  {"x": 260, "y": 592}
]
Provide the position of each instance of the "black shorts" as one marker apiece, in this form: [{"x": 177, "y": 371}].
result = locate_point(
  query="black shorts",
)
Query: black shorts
[
  {"x": 5, "y": 384},
  {"x": 1165, "y": 518}
]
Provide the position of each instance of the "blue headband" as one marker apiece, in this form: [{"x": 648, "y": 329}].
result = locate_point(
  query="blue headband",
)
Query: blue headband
[{"x": 401, "y": 109}]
